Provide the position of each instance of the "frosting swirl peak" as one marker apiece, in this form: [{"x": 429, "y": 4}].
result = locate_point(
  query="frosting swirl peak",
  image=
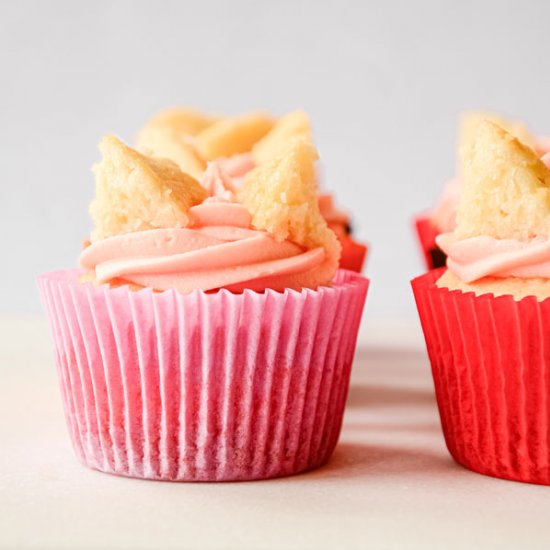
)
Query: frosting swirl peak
[
  {"x": 477, "y": 257},
  {"x": 218, "y": 249}
]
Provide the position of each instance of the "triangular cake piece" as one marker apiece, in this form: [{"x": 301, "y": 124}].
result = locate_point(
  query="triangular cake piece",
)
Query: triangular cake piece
[
  {"x": 169, "y": 134},
  {"x": 505, "y": 187},
  {"x": 292, "y": 125},
  {"x": 135, "y": 192},
  {"x": 281, "y": 196},
  {"x": 233, "y": 135},
  {"x": 165, "y": 142},
  {"x": 470, "y": 120},
  {"x": 185, "y": 122}
]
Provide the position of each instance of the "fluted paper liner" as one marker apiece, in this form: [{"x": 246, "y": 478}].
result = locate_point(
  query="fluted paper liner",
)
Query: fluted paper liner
[
  {"x": 433, "y": 256},
  {"x": 203, "y": 386},
  {"x": 490, "y": 360}
]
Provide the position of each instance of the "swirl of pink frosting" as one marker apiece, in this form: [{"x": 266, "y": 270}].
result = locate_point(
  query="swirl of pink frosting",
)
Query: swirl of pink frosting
[
  {"x": 217, "y": 250},
  {"x": 477, "y": 257},
  {"x": 236, "y": 167}
]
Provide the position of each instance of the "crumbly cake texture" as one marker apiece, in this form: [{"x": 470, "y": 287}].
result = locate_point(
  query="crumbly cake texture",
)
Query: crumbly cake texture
[
  {"x": 506, "y": 187},
  {"x": 290, "y": 126},
  {"x": 165, "y": 142},
  {"x": 135, "y": 192},
  {"x": 509, "y": 286},
  {"x": 233, "y": 135},
  {"x": 470, "y": 120},
  {"x": 281, "y": 196},
  {"x": 169, "y": 134},
  {"x": 505, "y": 195}
]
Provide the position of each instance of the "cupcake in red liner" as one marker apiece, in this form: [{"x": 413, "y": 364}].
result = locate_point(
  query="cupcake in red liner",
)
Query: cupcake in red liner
[
  {"x": 238, "y": 144},
  {"x": 442, "y": 218},
  {"x": 486, "y": 318},
  {"x": 209, "y": 336}
]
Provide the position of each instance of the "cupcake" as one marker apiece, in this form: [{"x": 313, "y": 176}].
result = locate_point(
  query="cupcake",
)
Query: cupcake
[
  {"x": 442, "y": 218},
  {"x": 238, "y": 144},
  {"x": 209, "y": 334},
  {"x": 486, "y": 317}
]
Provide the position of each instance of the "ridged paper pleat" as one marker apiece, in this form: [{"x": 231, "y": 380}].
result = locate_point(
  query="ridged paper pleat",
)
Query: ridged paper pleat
[
  {"x": 490, "y": 360},
  {"x": 203, "y": 386}
]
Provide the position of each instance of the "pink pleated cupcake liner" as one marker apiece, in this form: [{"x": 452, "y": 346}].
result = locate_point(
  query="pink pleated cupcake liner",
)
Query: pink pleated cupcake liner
[
  {"x": 490, "y": 360},
  {"x": 203, "y": 386}
]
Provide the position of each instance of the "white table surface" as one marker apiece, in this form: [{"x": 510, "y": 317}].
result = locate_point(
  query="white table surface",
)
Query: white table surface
[{"x": 390, "y": 484}]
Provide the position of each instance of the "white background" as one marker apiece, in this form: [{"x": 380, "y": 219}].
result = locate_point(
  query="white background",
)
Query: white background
[{"x": 382, "y": 81}]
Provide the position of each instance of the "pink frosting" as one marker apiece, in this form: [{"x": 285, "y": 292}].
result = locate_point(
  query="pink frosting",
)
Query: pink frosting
[
  {"x": 217, "y": 250},
  {"x": 218, "y": 183},
  {"x": 236, "y": 167},
  {"x": 477, "y": 257}
]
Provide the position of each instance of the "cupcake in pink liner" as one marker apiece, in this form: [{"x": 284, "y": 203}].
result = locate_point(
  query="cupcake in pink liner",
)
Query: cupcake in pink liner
[
  {"x": 209, "y": 335},
  {"x": 442, "y": 217},
  {"x": 238, "y": 144},
  {"x": 486, "y": 318}
]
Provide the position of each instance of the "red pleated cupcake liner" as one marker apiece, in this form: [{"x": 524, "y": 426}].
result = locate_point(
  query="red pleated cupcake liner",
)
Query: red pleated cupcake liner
[
  {"x": 426, "y": 233},
  {"x": 203, "y": 386},
  {"x": 490, "y": 359}
]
